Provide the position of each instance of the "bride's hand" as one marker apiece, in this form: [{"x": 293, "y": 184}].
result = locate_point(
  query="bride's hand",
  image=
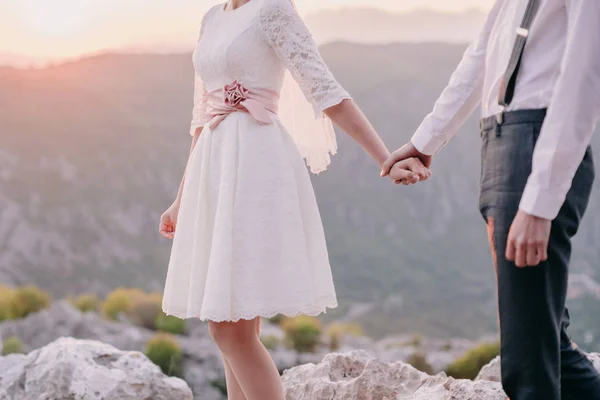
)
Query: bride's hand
[
  {"x": 168, "y": 221},
  {"x": 409, "y": 171}
]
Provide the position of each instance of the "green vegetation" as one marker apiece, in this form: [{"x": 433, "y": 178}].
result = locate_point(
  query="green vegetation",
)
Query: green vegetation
[
  {"x": 447, "y": 346},
  {"x": 302, "y": 333},
  {"x": 28, "y": 299},
  {"x": 170, "y": 324},
  {"x": 164, "y": 351},
  {"x": 87, "y": 303},
  {"x": 277, "y": 319},
  {"x": 416, "y": 341},
  {"x": 337, "y": 330},
  {"x": 271, "y": 342},
  {"x": 142, "y": 309},
  {"x": 6, "y": 303},
  {"x": 419, "y": 361},
  {"x": 468, "y": 366},
  {"x": 120, "y": 301},
  {"x": 12, "y": 345},
  {"x": 145, "y": 310}
]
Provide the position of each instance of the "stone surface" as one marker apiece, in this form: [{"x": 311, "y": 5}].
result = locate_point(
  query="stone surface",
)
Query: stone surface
[
  {"x": 380, "y": 371},
  {"x": 73, "y": 369},
  {"x": 491, "y": 372},
  {"x": 356, "y": 375},
  {"x": 202, "y": 363},
  {"x": 62, "y": 319}
]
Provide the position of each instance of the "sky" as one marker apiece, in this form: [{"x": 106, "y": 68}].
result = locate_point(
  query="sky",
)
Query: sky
[{"x": 56, "y": 29}]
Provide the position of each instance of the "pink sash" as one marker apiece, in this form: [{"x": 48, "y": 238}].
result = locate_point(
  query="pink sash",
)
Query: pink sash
[{"x": 259, "y": 103}]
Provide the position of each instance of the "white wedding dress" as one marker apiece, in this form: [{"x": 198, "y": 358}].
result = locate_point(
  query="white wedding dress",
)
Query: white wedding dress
[{"x": 249, "y": 239}]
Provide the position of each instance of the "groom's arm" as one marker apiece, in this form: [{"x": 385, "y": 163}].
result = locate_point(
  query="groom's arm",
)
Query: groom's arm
[
  {"x": 456, "y": 103},
  {"x": 461, "y": 97},
  {"x": 573, "y": 113},
  {"x": 566, "y": 133}
]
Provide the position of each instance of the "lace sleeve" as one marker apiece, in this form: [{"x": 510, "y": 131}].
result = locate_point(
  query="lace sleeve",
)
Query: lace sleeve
[
  {"x": 199, "y": 111},
  {"x": 293, "y": 42}
]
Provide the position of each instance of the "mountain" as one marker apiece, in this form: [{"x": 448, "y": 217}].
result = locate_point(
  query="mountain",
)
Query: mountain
[
  {"x": 361, "y": 25},
  {"x": 370, "y": 25},
  {"x": 91, "y": 152}
]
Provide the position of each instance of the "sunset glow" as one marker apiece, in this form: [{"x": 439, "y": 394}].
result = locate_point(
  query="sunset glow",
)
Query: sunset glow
[
  {"x": 52, "y": 30},
  {"x": 56, "y": 17}
]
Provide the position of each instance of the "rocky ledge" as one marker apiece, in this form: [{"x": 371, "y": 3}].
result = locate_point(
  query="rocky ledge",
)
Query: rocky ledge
[
  {"x": 358, "y": 376},
  {"x": 86, "y": 370}
]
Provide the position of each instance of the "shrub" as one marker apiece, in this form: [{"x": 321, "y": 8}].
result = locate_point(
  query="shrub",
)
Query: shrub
[
  {"x": 170, "y": 324},
  {"x": 27, "y": 300},
  {"x": 271, "y": 342},
  {"x": 468, "y": 366},
  {"x": 12, "y": 345},
  {"x": 6, "y": 303},
  {"x": 337, "y": 330},
  {"x": 419, "y": 361},
  {"x": 447, "y": 346},
  {"x": 87, "y": 303},
  {"x": 144, "y": 311},
  {"x": 416, "y": 341},
  {"x": 303, "y": 333},
  {"x": 277, "y": 319},
  {"x": 120, "y": 301},
  {"x": 164, "y": 351}
]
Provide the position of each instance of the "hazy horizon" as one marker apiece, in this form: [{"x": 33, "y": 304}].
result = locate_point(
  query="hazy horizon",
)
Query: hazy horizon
[{"x": 36, "y": 31}]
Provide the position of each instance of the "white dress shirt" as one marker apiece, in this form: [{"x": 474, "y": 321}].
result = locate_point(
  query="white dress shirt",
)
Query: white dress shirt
[{"x": 560, "y": 71}]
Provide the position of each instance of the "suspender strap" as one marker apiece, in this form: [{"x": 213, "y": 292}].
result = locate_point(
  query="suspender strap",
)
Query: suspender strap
[{"x": 509, "y": 81}]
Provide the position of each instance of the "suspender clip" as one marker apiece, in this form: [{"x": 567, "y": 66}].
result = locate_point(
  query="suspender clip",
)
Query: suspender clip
[
  {"x": 500, "y": 117},
  {"x": 499, "y": 121},
  {"x": 523, "y": 32}
]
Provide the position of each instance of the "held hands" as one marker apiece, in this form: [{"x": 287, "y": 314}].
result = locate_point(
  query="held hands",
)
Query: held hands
[
  {"x": 168, "y": 221},
  {"x": 409, "y": 171},
  {"x": 407, "y": 166}
]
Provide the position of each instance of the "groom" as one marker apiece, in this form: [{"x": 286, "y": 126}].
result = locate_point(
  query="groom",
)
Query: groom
[{"x": 536, "y": 69}]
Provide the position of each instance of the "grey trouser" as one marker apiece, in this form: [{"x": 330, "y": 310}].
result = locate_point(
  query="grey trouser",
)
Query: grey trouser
[{"x": 539, "y": 361}]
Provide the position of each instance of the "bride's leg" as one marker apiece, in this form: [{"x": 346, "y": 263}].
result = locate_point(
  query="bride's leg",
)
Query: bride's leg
[
  {"x": 249, "y": 360},
  {"x": 234, "y": 391}
]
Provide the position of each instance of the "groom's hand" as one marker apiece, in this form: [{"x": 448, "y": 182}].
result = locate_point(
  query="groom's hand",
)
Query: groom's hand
[
  {"x": 528, "y": 240},
  {"x": 409, "y": 171},
  {"x": 405, "y": 152}
]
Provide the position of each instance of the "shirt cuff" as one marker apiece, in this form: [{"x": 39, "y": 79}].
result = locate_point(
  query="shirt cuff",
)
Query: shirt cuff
[
  {"x": 427, "y": 143},
  {"x": 541, "y": 203}
]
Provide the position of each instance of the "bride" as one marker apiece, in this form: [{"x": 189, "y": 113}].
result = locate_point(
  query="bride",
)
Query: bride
[{"x": 248, "y": 238}]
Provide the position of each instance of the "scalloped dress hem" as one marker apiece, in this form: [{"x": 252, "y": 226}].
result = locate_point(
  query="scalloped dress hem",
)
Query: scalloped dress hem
[{"x": 291, "y": 312}]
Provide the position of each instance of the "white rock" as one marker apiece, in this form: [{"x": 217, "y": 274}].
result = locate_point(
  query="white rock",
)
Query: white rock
[
  {"x": 491, "y": 372},
  {"x": 73, "y": 369},
  {"x": 357, "y": 376}
]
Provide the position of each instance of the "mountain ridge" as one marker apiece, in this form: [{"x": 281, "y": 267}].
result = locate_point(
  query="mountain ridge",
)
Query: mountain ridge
[{"x": 92, "y": 153}]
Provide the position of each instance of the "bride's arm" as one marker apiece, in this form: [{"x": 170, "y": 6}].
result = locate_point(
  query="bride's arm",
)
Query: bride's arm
[
  {"x": 351, "y": 120},
  {"x": 284, "y": 29},
  {"x": 195, "y": 138},
  {"x": 348, "y": 116},
  {"x": 168, "y": 220}
]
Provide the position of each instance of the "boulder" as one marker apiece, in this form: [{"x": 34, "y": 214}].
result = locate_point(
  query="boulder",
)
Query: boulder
[
  {"x": 202, "y": 363},
  {"x": 356, "y": 375},
  {"x": 72, "y": 369},
  {"x": 491, "y": 372}
]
